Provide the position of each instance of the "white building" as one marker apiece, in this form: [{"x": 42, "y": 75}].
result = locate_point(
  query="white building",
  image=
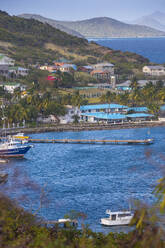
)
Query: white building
[
  {"x": 155, "y": 70},
  {"x": 69, "y": 117},
  {"x": 4, "y": 60},
  {"x": 19, "y": 71},
  {"x": 104, "y": 67},
  {"x": 46, "y": 120},
  {"x": 10, "y": 87}
]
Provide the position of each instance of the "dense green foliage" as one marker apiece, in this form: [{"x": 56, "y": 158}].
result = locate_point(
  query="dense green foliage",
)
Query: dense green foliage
[
  {"x": 19, "y": 229},
  {"x": 151, "y": 96},
  {"x": 33, "y": 33}
]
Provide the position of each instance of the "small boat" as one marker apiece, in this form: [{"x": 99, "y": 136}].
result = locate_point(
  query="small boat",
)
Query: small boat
[
  {"x": 11, "y": 149},
  {"x": 117, "y": 218},
  {"x": 20, "y": 136}
]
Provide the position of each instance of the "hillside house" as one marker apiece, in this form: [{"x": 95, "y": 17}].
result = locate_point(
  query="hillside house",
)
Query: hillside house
[
  {"x": 99, "y": 74},
  {"x": 155, "y": 70},
  {"x": 68, "y": 68},
  {"x": 18, "y": 71},
  {"x": 5, "y": 60},
  {"x": 10, "y": 87},
  {"x": 4, "y": 70},
  {"x": 86, "y": 68},
  {"x": 50, "y": 68},
  {"x": 104, "y": 67}
]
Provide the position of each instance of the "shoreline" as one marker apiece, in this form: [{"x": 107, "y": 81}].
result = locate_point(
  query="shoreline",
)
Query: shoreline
[
  {"x": 113, "y": 38},
  {"x": 83, "y": 127}
]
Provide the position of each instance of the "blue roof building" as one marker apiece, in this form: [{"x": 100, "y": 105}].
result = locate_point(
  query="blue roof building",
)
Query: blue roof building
[
  {"x": 105, "y": 107},
  {"x": 101, "y": 116},
  {"x": 139, "y": 115},
  {"x": 113, "y": 113}
]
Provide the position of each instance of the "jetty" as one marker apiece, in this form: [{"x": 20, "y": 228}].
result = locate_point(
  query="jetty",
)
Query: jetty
[
  {"x": 63, "y": 222},
  {"x": 93, "y": 141}
]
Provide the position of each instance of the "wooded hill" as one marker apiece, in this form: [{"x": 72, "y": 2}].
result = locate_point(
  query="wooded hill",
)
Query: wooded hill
[{"x": 30, "y": 41}]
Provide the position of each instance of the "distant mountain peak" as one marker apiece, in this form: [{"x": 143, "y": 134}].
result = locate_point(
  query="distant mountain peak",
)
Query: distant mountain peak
[{"x": 155, "y": 20}]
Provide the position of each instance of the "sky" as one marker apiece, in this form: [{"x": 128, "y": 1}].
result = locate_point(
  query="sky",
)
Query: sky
[{"x": 84, "y": 9}]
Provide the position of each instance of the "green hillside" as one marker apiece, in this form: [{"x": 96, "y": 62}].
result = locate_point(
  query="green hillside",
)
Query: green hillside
[{"x": 30, "y": 41}]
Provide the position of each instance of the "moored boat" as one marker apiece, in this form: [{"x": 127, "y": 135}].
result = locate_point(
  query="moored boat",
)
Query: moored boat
[
  {"x": 117, "y": 218},
  {"x": 11, "y": 149},
  {"x": 20, "y": 136}
]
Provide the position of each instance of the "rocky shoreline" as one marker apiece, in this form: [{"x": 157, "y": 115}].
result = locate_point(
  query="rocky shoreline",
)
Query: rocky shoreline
[{"x": 84, "y": 127}]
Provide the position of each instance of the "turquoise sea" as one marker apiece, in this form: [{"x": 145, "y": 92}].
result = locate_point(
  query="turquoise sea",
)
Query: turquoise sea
[
  {"x": 151, "y": 48},
  {"x": 87, "y": 178}
]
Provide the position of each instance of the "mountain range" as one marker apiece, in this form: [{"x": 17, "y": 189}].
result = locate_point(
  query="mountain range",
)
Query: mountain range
[
  {"x": 30, "y": 42},
  {"x": 100, "y": 27},
  {"x": 155, "y": 20}
]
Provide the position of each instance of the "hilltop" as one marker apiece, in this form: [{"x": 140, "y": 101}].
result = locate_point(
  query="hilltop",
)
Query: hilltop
[
  {"x": 103, "y": 27},
  {"x": 31, "y": 41},
  {"x": 154, "y": 20},
  {"x": 53, "y": 23}
]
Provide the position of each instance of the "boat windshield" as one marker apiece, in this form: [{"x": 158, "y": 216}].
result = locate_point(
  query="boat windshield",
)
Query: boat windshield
[{"x": 123, "y": 215}]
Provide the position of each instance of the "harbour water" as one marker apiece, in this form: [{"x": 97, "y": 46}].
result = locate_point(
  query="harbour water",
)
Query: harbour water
[
  {"x": 87, "y": 178},
  {"x": 151, "y": 48}
]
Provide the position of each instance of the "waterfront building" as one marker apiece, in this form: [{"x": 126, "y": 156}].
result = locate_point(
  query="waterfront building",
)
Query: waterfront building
[
  {"x": 113, "y": 113},
  {"x": 107, "y": 108},
  {"x": 48, "y": 119},
  {"x": 114, "y": 117},
  {"x": 71, "y": 112}
]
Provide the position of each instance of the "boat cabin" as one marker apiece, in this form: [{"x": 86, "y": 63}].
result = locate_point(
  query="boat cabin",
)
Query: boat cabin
[
  {"x": 118, "y": 215},
  {"x": 117, "y": 218}
]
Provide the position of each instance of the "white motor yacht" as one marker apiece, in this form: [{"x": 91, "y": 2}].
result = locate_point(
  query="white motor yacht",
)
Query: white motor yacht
[{"x": 117, "y": 218}]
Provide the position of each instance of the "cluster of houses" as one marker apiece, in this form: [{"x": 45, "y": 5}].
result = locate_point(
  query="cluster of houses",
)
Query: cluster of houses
[
  {"x": 103, "y": 71},
  {"x": 11, "y": 72},
  {"x": 8, "y": 70}
]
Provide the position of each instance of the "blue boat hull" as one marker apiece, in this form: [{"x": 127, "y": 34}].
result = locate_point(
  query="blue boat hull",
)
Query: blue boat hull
[{"x": 13, "y": 153}]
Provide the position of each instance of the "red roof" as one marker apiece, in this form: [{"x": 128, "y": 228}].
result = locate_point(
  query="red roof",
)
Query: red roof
[{"x": 50, "y": 78}]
